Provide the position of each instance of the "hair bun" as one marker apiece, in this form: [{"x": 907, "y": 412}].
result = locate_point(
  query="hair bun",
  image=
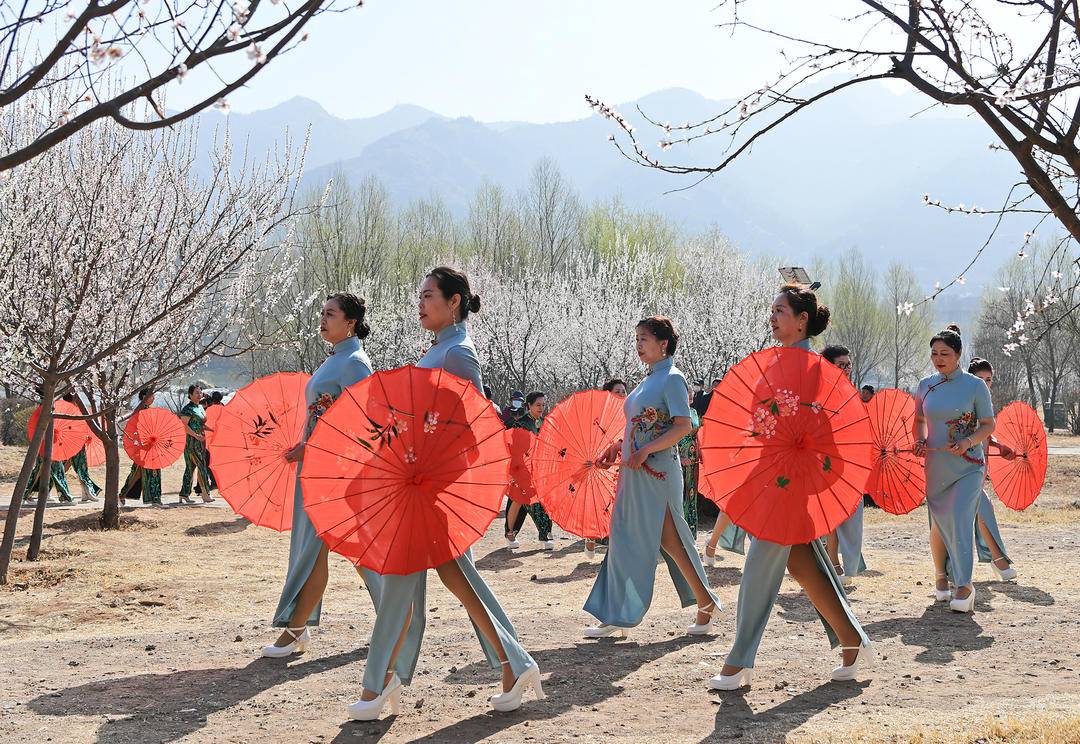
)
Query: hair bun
[
  {"x": 474, "y": 304},
  {"x": 954, "y": 328},
  {"x": 363, "y": 330},
  {"x": 818, "y": 324}
]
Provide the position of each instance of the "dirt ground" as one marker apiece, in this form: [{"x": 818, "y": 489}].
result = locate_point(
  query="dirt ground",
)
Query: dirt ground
[{"x": 151, "y": 634}]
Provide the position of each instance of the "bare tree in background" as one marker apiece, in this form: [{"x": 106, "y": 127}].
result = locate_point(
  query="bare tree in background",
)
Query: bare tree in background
[
  {"x": 74, "y": 63},
  {"x": 552, "y": 210},
  {"x": 119, "y": 264},
  {"x": 1014, "y": 64}
]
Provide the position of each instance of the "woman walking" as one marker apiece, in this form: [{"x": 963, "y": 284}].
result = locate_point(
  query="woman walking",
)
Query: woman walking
[
  {"x": 988, "y": 543},
  {"x": 142, "y": 481},
  {"x": 648, "y": 514},
  {"x": 690, "y": 459},
  {"x": 446, "y": 301},
  {"x": 342, "y": 326},
  {"x": 844, "y": 544},
  {"x": 795, "y": 317},
  {"x": 953, "y": 417},
  {"x": 535, "y": 408},
  {"x": 193, "y": 416}
]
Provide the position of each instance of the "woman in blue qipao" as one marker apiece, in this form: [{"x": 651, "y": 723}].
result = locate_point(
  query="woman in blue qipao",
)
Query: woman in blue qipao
[
  {"x": 342, "y": 326},
  {"x": 988, "y": 543},
  {"x": 445, "y": 303},
  {"x": 648, "y": 515},
  {"x": 954, "y": 415},
  {"x": 795, "y": 317}
]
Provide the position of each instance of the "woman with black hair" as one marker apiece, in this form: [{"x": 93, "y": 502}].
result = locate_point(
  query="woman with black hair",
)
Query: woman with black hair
[
  {"x": 535, "y": 408},
  {"x": 446, "y": 300},
  {"x": 954, "y": 415},
  {"x": 142, "y": 481},
  {"x": 988, "y": 543},
  {"x": 342, "y": 326},
  {"x": 648, "y": 514},
  {"x": 795, "y": 318},
  {"x": 193, "y": 416}
]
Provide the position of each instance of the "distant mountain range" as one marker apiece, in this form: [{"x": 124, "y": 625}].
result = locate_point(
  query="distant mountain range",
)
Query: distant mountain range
[{"x": 849, "y": 172}]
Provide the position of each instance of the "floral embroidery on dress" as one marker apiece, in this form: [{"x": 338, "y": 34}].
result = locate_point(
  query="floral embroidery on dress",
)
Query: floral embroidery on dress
[
  {"x": 653, "y": 422},
  {"x": 321, "y": 404},
  {"x": 961, "y": 427}
]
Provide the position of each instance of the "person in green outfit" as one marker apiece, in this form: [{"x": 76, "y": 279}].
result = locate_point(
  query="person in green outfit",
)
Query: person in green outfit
[
  {"x": 193, "y": 416},
  {"x": 142, "y": 481},
  {"x": 535, "y": 408},
  {"x": 208, "y": 402},
  {"x": 690, "y": 458},
  {"x": 58, "y": 480},
  {"x": 90, "y": 489}
]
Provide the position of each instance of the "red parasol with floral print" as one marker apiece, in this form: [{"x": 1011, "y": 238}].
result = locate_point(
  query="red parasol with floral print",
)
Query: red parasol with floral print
[
  {"x": 406, "y": 470},
  {"x": 897, "y": 481},
  {"x": 1018, "y": 481},
  {"x": 578, "y": 495},
  {"x": 69, "y": 435},
  {"x": 786, "y": 446},
  {"x": 251, "y": 434},
  {"x": 520, "y": 487}
]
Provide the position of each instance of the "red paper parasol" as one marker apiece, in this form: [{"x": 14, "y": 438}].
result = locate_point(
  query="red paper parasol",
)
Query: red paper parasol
[
  {"x": 252, "y": 433},
  {"x": 69, "y": 435},
  {"x": 154, "y": 438},
  {"x": 577, "y": 495},
  {"x": 786, "y": 444},
  {"x": 95, "y": 451},
  {"x": 405, "y": 470},
  {"x": 897, "y": 481},
  {"x": 1018, "y": 482},
  {"x": 522, "y": 445}
]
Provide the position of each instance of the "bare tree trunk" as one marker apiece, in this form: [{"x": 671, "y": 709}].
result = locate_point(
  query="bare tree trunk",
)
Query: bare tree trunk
[
  {"x": 15, "y": 506},
  {"x": 44, "y": 486},
  {"x": 110, "y": 516},
  {"x": 7, "y": 416}
]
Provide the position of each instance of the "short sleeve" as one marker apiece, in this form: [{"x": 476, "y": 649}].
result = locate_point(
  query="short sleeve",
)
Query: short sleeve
[
  {"x": 355, "y": 370},
  {"x": 677, "y": 396},
  {"x": 463, "y": 362},
  {"x": 920, "y": 395},
  {"x": 984, "y": 404}
]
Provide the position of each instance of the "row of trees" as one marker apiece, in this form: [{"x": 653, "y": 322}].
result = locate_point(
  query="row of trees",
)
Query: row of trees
[{"x": 122, "y": 270}]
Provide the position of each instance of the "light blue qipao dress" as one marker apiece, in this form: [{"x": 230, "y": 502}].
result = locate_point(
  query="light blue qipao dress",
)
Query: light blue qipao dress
[
  {"x": 989, "y": 518},
  {"x": 453, "y": 351},
  {"x": 952, "y": 406},
  {"x": 348, "y": 364},
  {"x": 624, "y": 587},
  {"x": 849, "y": 536},
  {"x": 763, "y": 572}
]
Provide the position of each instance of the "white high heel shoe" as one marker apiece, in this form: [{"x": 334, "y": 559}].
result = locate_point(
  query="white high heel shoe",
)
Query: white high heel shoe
[
  {"x": 510, "y": 700},
  {"x": 967, "y": 604},
  {"x": 512, "y": 543},
  {"x": 864, "y": 659},
  {"x": 369, "y": 710},
  {"x": 741, "y": 678},
  {"x": 845, "y": 581},
  {"x": 700, "y": 629},
  {"x": 1004, "y": 574},
  {"x": 298, "y": 646},
  {"x": 547, "y": 545},
  {"x": 603, "y": 631},
  {"x": 941, "y": 595},
  {"x": 708, "y": 560}
]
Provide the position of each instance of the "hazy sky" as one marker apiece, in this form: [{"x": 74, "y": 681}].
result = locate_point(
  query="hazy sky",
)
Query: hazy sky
[{"x": 534, "y": 61}]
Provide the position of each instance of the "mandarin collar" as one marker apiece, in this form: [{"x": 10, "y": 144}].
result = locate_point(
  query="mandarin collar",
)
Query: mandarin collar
[
  {"x": 662, "y": 366},
  {"x": 804, "y": 345},
  {"x": 451, "y": 331},
  {"x": 346, "y": 346}
]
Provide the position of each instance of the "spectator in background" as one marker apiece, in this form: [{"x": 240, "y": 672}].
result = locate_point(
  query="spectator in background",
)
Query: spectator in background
[
  {"x": 212, "y": 406},
  {"x": 866, "y": 392},
  {"x": 699, "y": 401},
  {"x": 490, "y": 396},
  {"x": 515, "y": 410}
]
